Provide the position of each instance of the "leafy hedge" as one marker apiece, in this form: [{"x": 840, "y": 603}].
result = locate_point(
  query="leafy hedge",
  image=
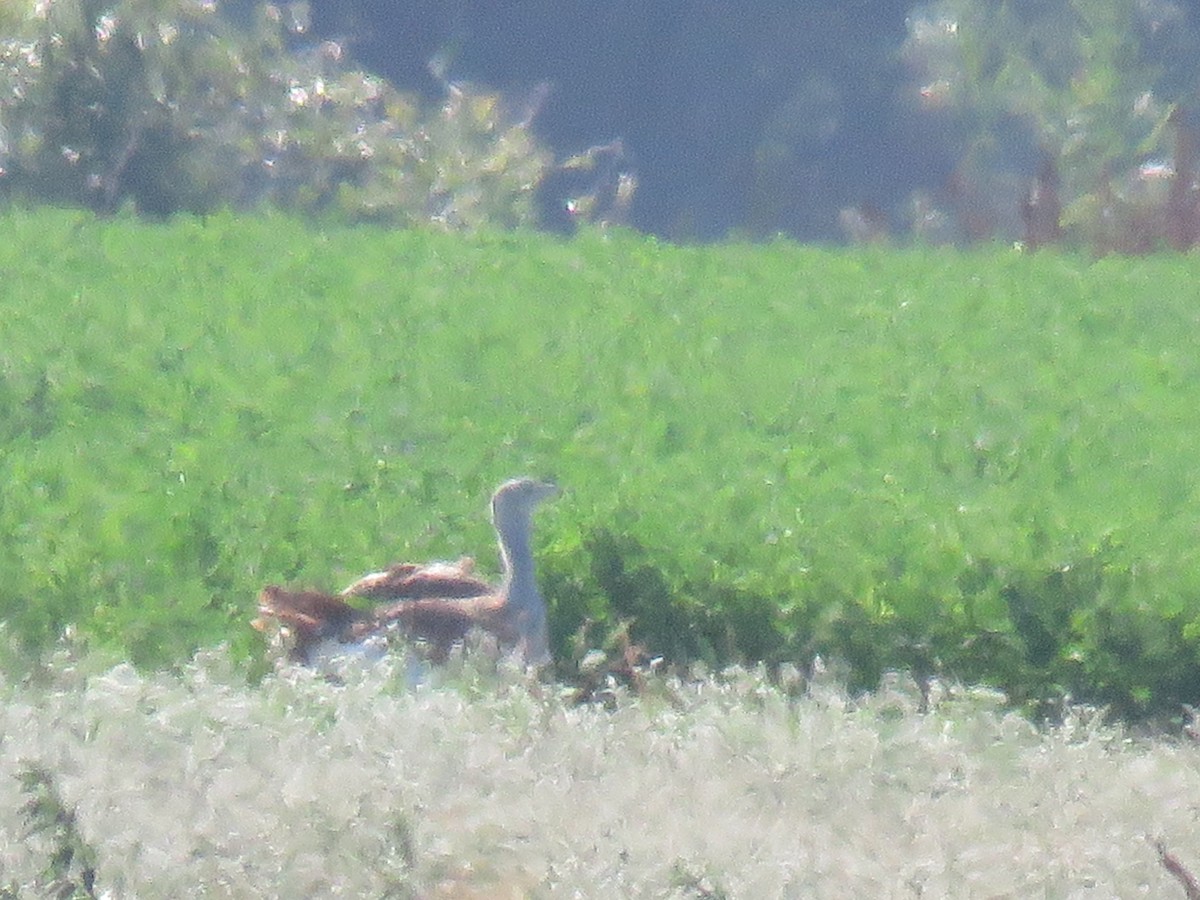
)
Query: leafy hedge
[{"x": 977, "y": 465}]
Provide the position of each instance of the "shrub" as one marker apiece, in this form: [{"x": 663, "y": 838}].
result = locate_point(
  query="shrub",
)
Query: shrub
[
  {"x": 1089, "y": 86},
  {"x": 183, "y": 105}
]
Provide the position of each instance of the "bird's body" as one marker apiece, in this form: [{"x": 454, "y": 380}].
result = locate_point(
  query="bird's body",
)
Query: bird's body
[
  {"x": 413, "y": 581},
  {"x": 438, "y": 603},
  {"x": 311, "y": 619}
]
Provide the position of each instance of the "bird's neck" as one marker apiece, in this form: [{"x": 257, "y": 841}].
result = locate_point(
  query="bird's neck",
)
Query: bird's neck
[
  {"x": 523, "y": 601},
  {"x": 517, "y": 557}
]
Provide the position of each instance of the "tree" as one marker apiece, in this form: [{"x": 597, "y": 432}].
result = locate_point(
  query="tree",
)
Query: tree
[
  {"x": 190, "y": 104},
  {"x": 1081, "y": 82}
]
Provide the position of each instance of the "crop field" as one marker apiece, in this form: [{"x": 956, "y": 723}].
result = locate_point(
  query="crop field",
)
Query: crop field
[
  {"x": 978, "y": 469},
  {"x": 979, "y": 466}
]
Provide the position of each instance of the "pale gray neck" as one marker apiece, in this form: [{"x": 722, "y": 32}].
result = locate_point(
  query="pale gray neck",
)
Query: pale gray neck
[
  {"x": 524, "y": 602},
  {"x": 516, "y": 553}
]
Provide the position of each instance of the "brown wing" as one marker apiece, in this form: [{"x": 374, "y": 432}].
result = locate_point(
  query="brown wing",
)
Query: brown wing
[
  {"x": 412, "y": 581},
  {"x": 444, "y": 620},
  {"x": 311, "y": 614}
]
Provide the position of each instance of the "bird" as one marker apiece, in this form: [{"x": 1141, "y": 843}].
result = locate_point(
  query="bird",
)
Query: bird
[
  {"x": 439, "y": 603},
  {"x": 313, "y": 623}
]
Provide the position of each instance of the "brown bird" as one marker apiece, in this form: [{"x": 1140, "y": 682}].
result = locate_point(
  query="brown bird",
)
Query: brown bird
[
  {"x": 438, "y": 602},
  {"x": 308, "y": 619},
  {"x": 414, "y": 581}
]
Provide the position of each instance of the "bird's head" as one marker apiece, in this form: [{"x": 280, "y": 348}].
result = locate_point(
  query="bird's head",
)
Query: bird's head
[{"x": 518, "y": 497}]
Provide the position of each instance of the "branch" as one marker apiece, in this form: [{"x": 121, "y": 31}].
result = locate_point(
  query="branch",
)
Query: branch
[{"x": 1170, "y": 862}]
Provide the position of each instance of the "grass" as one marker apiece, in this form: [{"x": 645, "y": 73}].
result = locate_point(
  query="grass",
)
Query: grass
[
  {"x": 480, "y": 784},
  {"x": 978, "y": 465}
]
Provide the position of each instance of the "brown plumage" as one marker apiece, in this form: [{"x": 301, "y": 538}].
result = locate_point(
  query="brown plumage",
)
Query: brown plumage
[
  {"x": 310, "y": 617},
  {"x": 413, "y": 581},
  {"x": 438, "y": 603}
]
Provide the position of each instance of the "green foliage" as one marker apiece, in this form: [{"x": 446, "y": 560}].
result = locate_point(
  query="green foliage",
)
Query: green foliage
[
  {"x": 183, "y": 105},
  {"x": 976, "y": 465},
  {"x": 1090, "y": 83}
]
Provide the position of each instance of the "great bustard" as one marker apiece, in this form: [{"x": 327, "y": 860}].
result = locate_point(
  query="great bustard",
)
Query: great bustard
[{"x": 439, "y": 602}]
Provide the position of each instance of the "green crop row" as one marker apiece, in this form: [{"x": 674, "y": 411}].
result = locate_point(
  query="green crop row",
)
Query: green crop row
[{"x": 977, "y": 465}]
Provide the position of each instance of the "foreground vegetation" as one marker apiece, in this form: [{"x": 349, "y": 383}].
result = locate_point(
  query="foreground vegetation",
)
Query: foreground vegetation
[
  {"x": 191, "y": 784},
  {"x": 978, "y": 465}
]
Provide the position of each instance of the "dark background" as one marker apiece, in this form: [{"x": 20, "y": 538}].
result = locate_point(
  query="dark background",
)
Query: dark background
[{"x": 746, "y": 118}]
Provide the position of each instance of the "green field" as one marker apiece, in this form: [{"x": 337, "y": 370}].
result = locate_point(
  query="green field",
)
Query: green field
[{"x": 980, "y": 465}]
